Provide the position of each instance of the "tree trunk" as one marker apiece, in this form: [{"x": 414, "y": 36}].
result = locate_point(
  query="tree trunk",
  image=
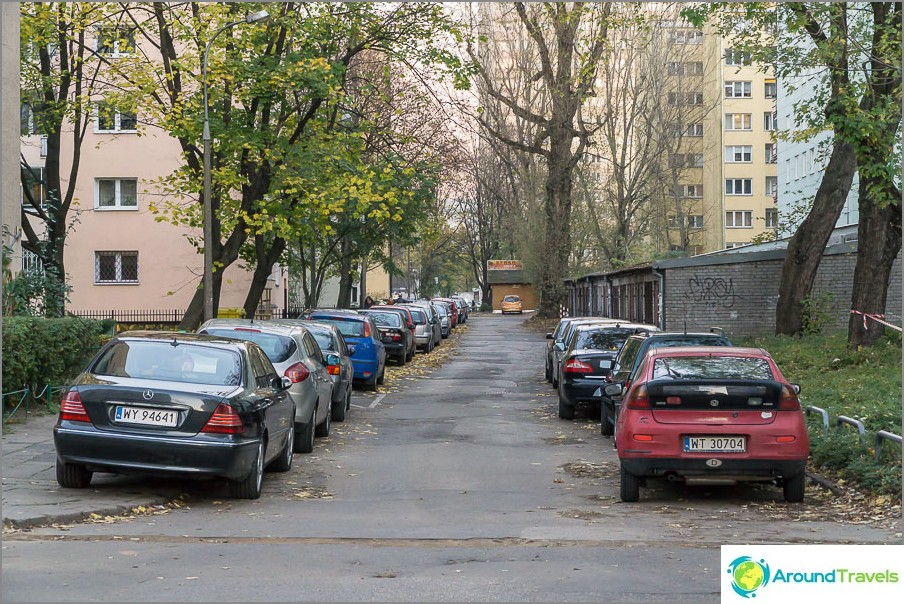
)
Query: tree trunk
[
  {"x": 553, "y": 293},
  {"x": 266, "y": 258},
  {"x": 878, "y": 245},
  {"x": 805, "y": 249},
  {"x": 343, "y": 300}
]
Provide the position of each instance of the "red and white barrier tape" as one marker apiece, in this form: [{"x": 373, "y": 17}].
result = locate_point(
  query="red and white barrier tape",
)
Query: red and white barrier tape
[{"x": 876, "y": 318}]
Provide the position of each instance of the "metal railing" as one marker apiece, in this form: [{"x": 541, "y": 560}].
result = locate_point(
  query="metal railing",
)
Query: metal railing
[
  {"x": 882, "y": 436},
  {"x": 25, "y": 399}
]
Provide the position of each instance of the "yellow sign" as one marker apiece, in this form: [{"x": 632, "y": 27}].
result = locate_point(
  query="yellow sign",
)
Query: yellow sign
[
  {"x": 231, "y": 312},
  {"x": 505, "y": 265}
]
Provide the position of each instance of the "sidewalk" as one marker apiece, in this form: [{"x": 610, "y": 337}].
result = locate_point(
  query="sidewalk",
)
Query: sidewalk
[{"x": 32, "y": 497}]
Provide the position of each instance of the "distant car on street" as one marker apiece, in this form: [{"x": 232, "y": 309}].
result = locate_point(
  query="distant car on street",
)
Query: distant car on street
[{"x": 512, "y": 304}]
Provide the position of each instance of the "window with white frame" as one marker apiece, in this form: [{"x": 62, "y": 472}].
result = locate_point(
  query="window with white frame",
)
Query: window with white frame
[
  {"x": 693, "y": 68},
  {"x": 675, "y": 68},
  {"x": 692, "y": 221},
  {"x": 34, "y": 190},
  {"x": 110, "y": 119},
  {"x": 738, "y": 186},
  {"x": 738, "y": 121},
  {"x": 769, "y": 121},
  {"x": 694, "y": 130},
  {"x": 115, "y": 41},
  {"x": 116, "y": 193},
  {"x": 739, "y": 219},
  {"x": 735, "y": 154},
  {"x": 685, "y": 36},
  {"x": 695, "y": 190},
  {"x": 771, "y": 89},
  {"x": 771, "y": 153},
  {"x": 738, "y": 90},
  {"x": 694, "y": 98},
  {"x": 811, "y": 154},
  {"x": 115, "y": 267},
  {"x": 771, "y": 218},
  {"x": 686, "y": 160},
  {"x": 31, "y": 263},
  {"x": 737, "y": 57},
  {"x": 772, "y": 186}
]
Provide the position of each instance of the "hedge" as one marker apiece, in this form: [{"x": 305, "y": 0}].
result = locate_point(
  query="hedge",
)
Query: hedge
[{"x": 38, "y": 351}]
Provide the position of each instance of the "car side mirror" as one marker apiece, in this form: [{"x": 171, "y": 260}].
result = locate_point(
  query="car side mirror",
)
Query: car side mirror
[
  {"x": 795, "y": 388},
  {"x": 332, "y": 359},
  {"x": 560, "y": 346},
  {"x": 549, "y": 336},
  {"x": 613, "y": 389},
  {"x": 281, "y": 383},
  {"x": 351, "y": 349}
]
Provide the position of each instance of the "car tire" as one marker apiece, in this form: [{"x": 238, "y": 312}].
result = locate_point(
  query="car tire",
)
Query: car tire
[
  {"x": 250, "y": 487},
  {"x": 607, "y": 422},
  {"x": 566, "y": 411},
  {"x": 304, "y": 439},
  {"x": 283, "y": 463},
  {"x": 72, "y": 475},
  {"x": 793, "y": 487},
  {"x": 381, "y": 377},
  {"x": 340, "y": 408},
  {"x": 548, "y": 373},
  {"x": 400, "y": 360},
  {"x": 629, "y": 489},
  {"x": 323, "y": 428}
]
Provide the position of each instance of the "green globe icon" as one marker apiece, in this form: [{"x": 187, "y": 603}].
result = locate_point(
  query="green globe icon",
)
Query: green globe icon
[{"x": 748, "y": 575}]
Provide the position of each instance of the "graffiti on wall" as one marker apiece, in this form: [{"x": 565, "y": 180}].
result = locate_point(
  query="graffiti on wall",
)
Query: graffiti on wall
[{"x": 711, "y": 291}]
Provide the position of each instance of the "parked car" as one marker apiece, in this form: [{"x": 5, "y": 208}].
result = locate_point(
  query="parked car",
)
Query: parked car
[
  {"x": 433, "y": 319},
  {"x": 394, "y": 332},
  {"x": 445, "y": 320},
  {"x": 295, "y": 354},
  {"x": 331, "y": 342},
  {"x": 453, "y": 310},
  {"x": 512, "y": 304},
  {"x": 586, "y": 361},
  {"x": 407, "y": 319},
  {"x": 711, "y": 415},
  {"x": 464, "y": 309},
  {"x": 361, "y": 334},
  {"x": 552, "y": 338},
  {"x": 178, "y": 404},
  {"x": 457, "y": 309},
  {"x": 559, "y": 344},
  {"x": 632, "y": 353},
  {"x": 423, "y": 330}
]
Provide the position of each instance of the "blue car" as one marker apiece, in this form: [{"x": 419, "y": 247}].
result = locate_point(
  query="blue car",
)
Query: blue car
[{"x": 368, "y": 354}]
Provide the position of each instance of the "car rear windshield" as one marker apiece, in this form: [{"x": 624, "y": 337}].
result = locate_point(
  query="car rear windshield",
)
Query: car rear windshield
[
  {"x": 348, "y": 327},
  {"x": 602, "y": 339},
  {"x": 714, "y": 367},
  {"x": 176, "y": 363},
  {"x": 689, "y": 340},
  {"x": 420, "y": 318},
  {"x": 386, "y": 319},
  {"x": 511, "y": 299},
  {"x": 277, "y": 347}
]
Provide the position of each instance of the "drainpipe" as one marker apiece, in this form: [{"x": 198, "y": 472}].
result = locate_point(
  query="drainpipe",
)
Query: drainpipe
[{"x": 661, "y": 277}]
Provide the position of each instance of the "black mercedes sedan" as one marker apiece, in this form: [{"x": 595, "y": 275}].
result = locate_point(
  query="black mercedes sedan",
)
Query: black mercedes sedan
[{"x": 176, "y": 404}]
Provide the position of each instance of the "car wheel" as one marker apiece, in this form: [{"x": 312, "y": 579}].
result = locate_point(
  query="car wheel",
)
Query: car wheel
[
  {"x": 401, "y": 359},
  {"x": 304, "y": 439},
  {"x": 566, "y": 411},
  {"x": 548, "y": 372},
  {"x": 410, "y": 355},
  {"x": 250, "y": 486},
  {"x": 339, "y": 409},
  {"x": 323, "y": 428},
  {"x": 283, "y": 463},
  {"x": 381, "y": 377},
  {"x": 72, "y": 475},
  {"x": 794, "y": 487},
  {"x": 607, "y": 422},
  {"x": 630, "y": 487}
]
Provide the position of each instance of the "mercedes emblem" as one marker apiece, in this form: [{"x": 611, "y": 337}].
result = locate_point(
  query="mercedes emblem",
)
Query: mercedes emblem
[{"x": 148, "y": 395}]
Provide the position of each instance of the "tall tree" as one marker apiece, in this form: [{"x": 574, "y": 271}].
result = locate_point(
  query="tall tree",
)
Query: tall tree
[{"x": 569, "y": 39}]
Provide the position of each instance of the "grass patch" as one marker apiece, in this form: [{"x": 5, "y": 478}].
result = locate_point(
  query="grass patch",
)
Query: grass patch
[{"x": 863, "y": 384}]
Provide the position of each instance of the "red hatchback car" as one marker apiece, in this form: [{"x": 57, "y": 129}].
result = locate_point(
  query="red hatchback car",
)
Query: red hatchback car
[{"x": 711, "y": 415}]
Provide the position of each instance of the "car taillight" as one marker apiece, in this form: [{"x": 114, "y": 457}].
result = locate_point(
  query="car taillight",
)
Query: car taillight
[
  {"x": 72, "y": 409},
  {"x": 395, "y": 337},
  {"x": 297, "y": 373},
  {"x": 334, "y": 369},
  {"x": 367, "y": 330},
  {"x": 577, "y": 366},
  {"x": 225, "y": 420},
  {"x": 789, "y": 400},
  {"x": 638, "y": 399}
]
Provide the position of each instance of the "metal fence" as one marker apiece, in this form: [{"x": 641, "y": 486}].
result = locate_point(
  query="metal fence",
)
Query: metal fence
[
  {"x": 133, "y": 316},
  {"x": 18, "y": 404},
  {"x": 882, "y": 436}
]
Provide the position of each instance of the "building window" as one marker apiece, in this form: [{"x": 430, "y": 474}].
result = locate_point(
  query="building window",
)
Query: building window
[
  {"x": 686, "y": 160},
  {"x": 28, "y": 123},
  {"x": 738, "y": 90},
  {"x": 769, "y": 121},
  {"x": 771, "y": 153},
  {"x": 116, "y": 41},
  {"x": 116, "y": 193},
  {"x": 685, "y": 36},
  {"x": 675, "y": 68},
  {"x": 685, "y": 68},
  {"x": 31, "y": 263},
  {"x": 738, "y": 186},
  {"x": 771, "y": 89},
  {"x": 738, "y": 121},
  {"x": 738, "y": 154},
  {"x": 685, "y": 98},
  {"x": 737, "y": 57},
  {"x": 110, "y": 119},
  {"x": 739, "y": 219},
  {"x": 772, "y": 186},
  {"x": 771, "y": 218},
  {"x": 730, "y": 246},
  {"x": 693, "y": 191},
  {"x": 694, "y": 130},
  {"x": 33, "y": 185},
  {"x": 693, "y": 221},
  {"x": 116, "y": 267}
]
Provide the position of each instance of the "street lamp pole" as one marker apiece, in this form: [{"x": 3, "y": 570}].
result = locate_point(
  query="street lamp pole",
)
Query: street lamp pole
[{"x": 205, "y": 137}]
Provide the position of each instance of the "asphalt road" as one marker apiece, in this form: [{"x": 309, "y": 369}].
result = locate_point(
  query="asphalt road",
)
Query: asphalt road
[{"x": 454, "y": 482}]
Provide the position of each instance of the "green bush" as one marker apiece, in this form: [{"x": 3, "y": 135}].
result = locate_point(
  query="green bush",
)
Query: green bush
[
  {"x": 38, "y": 351},
  {"x": 863, "y": 384}
]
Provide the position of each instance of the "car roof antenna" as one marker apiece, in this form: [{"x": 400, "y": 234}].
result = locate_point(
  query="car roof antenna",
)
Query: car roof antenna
[{"x": 685, "y": 327}]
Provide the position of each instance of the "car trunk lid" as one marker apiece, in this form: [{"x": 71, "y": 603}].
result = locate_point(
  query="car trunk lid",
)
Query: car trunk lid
[{"x": 714, "y": 402}]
